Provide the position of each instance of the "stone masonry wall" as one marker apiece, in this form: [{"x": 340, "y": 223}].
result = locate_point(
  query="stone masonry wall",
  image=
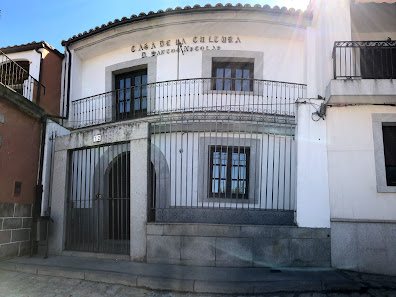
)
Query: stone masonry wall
[
  {"x": 238, "y": 246},
  {"x": 15, "y": 228}
]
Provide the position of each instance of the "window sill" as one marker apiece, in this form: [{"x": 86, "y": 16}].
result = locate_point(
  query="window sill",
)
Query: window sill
[
  {"x": 386, "y": 189},
  {"x": 232, "y": 92},
  {"x": 227, "y": 200}
]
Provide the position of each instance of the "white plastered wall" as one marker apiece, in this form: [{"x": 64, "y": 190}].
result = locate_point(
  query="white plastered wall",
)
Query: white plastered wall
[
  {"x": 352, "y": 173},
  {"x": 312, "y": 178},
  {"x": 33, "y": 57}
]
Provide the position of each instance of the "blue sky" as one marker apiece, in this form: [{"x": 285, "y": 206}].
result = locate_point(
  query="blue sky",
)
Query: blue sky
[{"x": 23, "y": 21}]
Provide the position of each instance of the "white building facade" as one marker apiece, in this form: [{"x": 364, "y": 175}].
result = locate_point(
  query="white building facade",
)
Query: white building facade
[{"x": 201, "y": 137}]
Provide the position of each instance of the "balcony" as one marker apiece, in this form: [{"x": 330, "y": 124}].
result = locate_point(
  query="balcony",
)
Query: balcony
[
  {"x": 198, "y": 95},
  {"x": 363, "y": 73},
  {"x": 15, "y": 76}
]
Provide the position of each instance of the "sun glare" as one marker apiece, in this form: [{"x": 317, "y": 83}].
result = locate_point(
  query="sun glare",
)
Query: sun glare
[{"x": 297, "y": 4}]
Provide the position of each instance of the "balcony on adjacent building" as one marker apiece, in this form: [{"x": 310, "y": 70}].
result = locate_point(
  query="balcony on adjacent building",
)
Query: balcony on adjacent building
[
  {"x": 15, "y": 75},
  {"x": 363, "y": 73}
]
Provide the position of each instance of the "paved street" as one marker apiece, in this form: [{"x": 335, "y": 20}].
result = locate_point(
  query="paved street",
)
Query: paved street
[{"x": 19, "y": 284}]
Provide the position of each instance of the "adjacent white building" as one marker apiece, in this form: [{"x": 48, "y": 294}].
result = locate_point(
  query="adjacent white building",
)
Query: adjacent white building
[{"x": 231, "y": 136}]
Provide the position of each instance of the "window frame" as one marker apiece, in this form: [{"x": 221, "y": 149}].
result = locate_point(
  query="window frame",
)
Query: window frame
[
  {"x": 255, "y": 57},
  {"x": 204, "y": 166},
  {"x": 230, "y": 150},
  {"x": 378, "y": 120},
  {"x": 132, "y": 113},
  {"x": 233, "y": 65}
]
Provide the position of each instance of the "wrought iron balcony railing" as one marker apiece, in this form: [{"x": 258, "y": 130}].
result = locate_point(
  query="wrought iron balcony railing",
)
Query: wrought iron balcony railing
[
  {"x": 17, "y": 78},
  {"x": 188, "y": 95},
  {"x": 364, "y": 59}
]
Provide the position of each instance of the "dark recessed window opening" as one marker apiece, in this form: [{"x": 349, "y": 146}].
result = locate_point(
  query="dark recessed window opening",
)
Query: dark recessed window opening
[
  {"x": 232, "y": 76},
  {"x": 229, "y": 172},
  {"x": 131, "y": 94},
  {"x": 17, "y": 188},
  {"x": 389, "y": 135},
  {"x": 378, "y": 63}
]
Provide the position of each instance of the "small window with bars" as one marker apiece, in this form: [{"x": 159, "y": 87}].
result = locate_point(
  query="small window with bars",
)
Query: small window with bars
[
  {"x": 389, "y": 136},
  {"x": 232, "y": 76},
  {"x": 229, "y": 172}
]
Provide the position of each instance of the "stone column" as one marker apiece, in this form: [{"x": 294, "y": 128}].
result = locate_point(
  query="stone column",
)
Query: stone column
[
  {"x": 139, "y": 191},
  {"x": 58, "y": 201}
]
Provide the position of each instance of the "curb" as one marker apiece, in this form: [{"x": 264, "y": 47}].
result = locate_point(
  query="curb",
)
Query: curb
[{"x": 184, "y": 285}]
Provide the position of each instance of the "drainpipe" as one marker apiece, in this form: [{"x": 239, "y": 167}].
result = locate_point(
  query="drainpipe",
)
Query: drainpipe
[
  {"x": 68, "y": 81},
  {"x": 39, "y": 187},
  {"x": 40, "y": 76},
  {"x": 44, "y": 118}
]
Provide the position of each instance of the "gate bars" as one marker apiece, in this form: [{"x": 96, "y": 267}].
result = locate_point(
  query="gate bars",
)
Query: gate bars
[
  {"x": 223, "y": 168},
  {"x": 98, "y": 203}
]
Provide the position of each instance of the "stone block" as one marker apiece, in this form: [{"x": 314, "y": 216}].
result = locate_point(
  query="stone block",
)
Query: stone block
[
  {"x": 23, "y": 210},
  {"x": 7, "y": 266},
  {"x": 6, "y": 210},
  {"x": 26, "y": 268},
  {"x": 286, "y": 232},
  {"x": 197, "y": 262},
  {"x": 309, "y": 250},
  {"x": 61, "y": 271},
  {"x": 321, "y": 233},
  {"x": 155, "y": 229},
  {"x": 27, "y": 222},
  {"x": 256, "y": 231},
  {"x": 287, "y": 286},
  {"x": 24, "y": 248},
  {"x": 344, "y": 250},
  {"x": 181, "y": 229},
  {"x": 169, "y": 284},
  {"x": 139, "y": 163},
  {"x": 271, "y": 252},
  {"x": 234, "y": 263},
  {"x": 12, "y": 223},
  {"x": 224, "y": 287},
  {"x": 234, "y": 249},
  {"x": 163, "y": 246},
  {"x": 198, "y": 248},
  {"x": 164, "y": 261},
  {"x": 112, "y": 278},
  {"x": 371, "y": 248},
  {"x": 218, "y": 230},
  {"x": 20, "y": 235},
  {"x": 9, "y": 250},
  {"x": 5, "y": 236}
]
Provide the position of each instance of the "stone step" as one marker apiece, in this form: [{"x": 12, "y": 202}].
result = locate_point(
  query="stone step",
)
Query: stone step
[{"x": 187, "y": 279}]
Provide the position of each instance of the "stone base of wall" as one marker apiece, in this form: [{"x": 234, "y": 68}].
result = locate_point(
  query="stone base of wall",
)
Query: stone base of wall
[
  {"x": 237, "y": 245},
  {"x": 15, "y": 228},
  {"x": 364, "y": 246}
]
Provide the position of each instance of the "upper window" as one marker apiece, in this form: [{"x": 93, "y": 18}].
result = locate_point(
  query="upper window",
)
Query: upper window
[
  {"x": 389, "y": 136},
  {"x": 232, "y": 76},
  {"x": 229, "y": 172},
  {"x": 131, "y": 94}
]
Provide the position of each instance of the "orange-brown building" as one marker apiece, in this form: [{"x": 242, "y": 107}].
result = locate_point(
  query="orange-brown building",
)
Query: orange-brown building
[
  {"x": 30, "y": 87},
  {"x": 44, "y": 64}
]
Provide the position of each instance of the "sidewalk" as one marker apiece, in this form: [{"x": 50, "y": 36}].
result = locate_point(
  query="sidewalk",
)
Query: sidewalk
[{"x": 200, "y": 279}]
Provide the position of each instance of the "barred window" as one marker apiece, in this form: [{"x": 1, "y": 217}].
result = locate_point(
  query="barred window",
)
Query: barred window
[{"x": 229, "y": 172}]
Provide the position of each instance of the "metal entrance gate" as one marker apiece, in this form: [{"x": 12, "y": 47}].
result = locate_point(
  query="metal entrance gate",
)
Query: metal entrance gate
[{"x": 98, "y": 201}]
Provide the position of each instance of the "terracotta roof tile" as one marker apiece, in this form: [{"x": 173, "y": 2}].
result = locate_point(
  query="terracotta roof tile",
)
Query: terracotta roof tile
[
  {"x": 124, "y": 20},
  {"x": 30, "y": 46}
]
